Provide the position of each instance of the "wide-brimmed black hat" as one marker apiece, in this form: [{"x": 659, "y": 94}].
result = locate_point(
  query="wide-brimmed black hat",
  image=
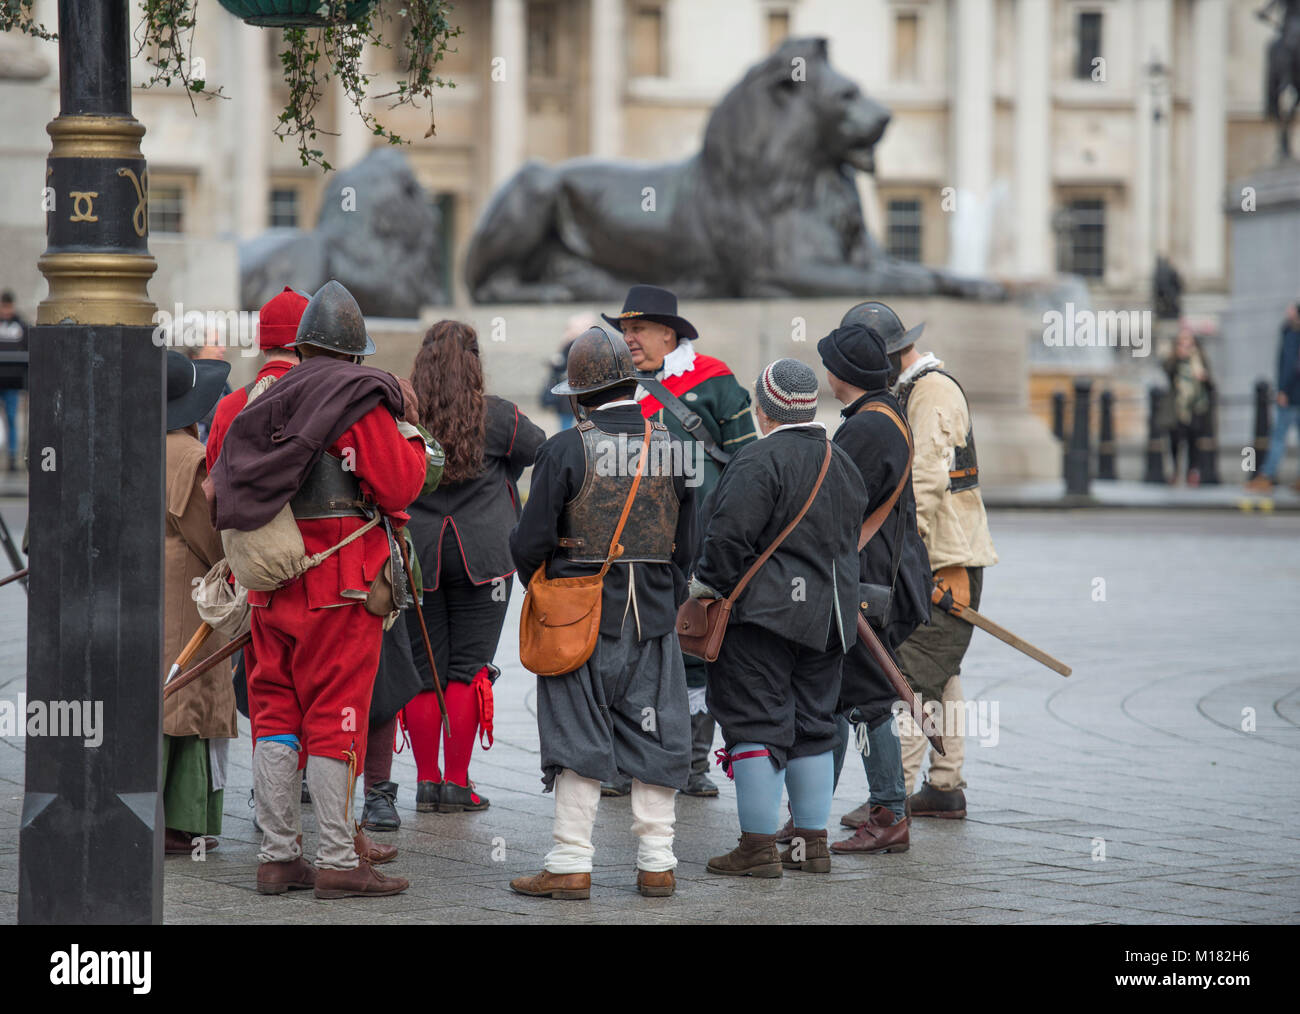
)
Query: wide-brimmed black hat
[
  {"x": 884, "y": 321},
  {"x": 193, "y": 387},
  {"x": 649, "y": 302}
]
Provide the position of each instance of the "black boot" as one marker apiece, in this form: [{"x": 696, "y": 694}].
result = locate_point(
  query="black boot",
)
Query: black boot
[
  {"x": 699, "y": 783},
  {"x": 380, "y": 814}
]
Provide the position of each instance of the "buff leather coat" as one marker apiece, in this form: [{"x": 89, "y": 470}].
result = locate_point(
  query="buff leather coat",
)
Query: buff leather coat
[{"x": 191, "y": 546}]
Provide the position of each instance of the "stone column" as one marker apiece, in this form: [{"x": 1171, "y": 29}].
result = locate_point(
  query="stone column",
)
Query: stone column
[
  {"x": 507, "y": 84},
  {"x": 253, "y": 99},
  {"x": 354, "y": 136},
  {"x": 1209, "y": 137},
  {"x": 1152, "y": 156},
  {"x": 971, "y": 165},
  {"x": 606, "y": 78},
  {"x": 1033, "y": 126}
]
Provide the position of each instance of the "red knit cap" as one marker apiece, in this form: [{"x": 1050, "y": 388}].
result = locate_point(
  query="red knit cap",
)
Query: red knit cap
[{"x": 277, "y": 322}]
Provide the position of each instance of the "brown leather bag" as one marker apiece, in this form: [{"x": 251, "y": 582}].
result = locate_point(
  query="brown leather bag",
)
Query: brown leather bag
[
  {"x": 702, "y": 623},
  {"x": 561, "y": 616}
]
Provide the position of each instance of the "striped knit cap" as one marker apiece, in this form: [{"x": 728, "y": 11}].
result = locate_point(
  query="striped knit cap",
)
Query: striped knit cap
[{"x": 787, "y": 392}]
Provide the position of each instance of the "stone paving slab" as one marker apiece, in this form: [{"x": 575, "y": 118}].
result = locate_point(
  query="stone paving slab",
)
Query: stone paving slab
[{"x": 1141, "y": 752}]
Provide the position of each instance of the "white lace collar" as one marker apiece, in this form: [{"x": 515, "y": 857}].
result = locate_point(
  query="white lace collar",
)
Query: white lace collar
[
  {"x": 680, "y": 360},
  {"x": 927, "y": 361}
]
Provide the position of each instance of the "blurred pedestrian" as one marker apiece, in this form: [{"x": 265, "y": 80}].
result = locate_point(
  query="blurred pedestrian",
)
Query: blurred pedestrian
[
  {"x": 1288, "y": 402},
  {"x": 461, "y": 534},
  {"x": 577, "y": 324},
  {"x": 1190, "y": 384},
  {"x": 13, "y": 376}
]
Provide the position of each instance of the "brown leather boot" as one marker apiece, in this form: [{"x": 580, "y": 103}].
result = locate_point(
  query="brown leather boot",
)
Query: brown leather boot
[
  {"x": 372, "y": 851},
  {"x": 178, "y": 843},
  {"x": 882, "y": 833},
  {"x": 755, "y": 856},
  {"x": 363, "y": 882},
  {"x": 855, "y": 818},
  {"x": 289, "y": 875},
  {"x": 811, "y": 845},
  {"x": 655, "y": 885},
  {"x": 786, "y": 833},
  {"x": 560, "y": 886},
  {"x": 931, "y": 802}
]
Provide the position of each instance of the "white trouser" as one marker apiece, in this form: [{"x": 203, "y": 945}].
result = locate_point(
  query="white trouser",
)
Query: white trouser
[{"x": 576, "y": 799}]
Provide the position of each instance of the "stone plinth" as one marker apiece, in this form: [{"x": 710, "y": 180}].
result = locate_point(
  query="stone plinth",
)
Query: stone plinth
[{"x": 983, "y": 344}]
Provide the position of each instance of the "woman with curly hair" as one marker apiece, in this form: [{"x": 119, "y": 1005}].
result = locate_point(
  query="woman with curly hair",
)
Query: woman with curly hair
[{"x": 461, "y": 533}]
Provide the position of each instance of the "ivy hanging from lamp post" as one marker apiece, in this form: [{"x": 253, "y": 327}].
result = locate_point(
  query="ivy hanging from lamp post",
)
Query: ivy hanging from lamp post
[{"x": 322, "y": 39}]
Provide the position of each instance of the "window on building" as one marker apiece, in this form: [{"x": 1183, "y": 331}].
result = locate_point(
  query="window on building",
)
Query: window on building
[
  {"x": 1089, "y": 50},
  {"x": 543, "y": 25},
  {"x": 166, "y": 208},
  {"x": 903, "y": 229},
  {"x": 283, "y": 208},
  {"x": 907, "y": 27},
  {"x": 647, "y": 41},
  {"x": 778, "y": 27},
  {"x": 1082, "y": 231}
]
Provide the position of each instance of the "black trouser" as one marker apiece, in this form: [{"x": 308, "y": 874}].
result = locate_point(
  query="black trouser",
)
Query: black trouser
[{"x": 464, "y": 619}]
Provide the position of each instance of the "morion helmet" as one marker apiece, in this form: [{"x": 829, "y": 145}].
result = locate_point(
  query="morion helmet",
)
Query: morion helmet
[
  {"x": 885, "y": 323},
  {"x": 333, "y": 321},
  {"x": 598, "y": 358}
]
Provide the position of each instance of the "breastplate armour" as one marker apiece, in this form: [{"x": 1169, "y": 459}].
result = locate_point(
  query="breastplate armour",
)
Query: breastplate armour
[
  {"x": 589, "y": 519},
  {"x": 329, "y": 491}
]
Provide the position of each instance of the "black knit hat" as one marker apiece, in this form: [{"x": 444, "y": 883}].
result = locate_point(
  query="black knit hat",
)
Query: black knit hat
[{"x": 856, "y": 354}]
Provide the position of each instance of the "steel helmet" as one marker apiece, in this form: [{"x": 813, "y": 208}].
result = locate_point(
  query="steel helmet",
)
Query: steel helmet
[
  {"x": 885, "y": 323},
  {"x": 598, "y": 358},
  {"x": 333, "y": 321}
]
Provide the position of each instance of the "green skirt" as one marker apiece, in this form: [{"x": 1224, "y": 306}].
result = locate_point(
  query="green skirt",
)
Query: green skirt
[{"x": 189, "y": 801}]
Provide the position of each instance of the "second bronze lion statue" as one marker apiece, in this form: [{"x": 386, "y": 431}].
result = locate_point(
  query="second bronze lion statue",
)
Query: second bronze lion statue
[{"x": 767, "y": 209}]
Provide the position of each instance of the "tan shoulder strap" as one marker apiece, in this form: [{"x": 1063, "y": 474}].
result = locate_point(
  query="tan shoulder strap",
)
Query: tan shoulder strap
[
  {"x": 615, "y": 549},
  {"x": 877, "y": 517},
  {"x": 767, "y": 553}
]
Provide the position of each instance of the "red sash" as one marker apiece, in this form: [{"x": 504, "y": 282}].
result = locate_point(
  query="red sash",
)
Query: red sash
[{"x": 705, "y": 368}]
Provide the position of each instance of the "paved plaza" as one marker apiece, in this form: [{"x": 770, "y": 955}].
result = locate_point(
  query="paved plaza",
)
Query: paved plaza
[{"x": 1157, "y": 784}]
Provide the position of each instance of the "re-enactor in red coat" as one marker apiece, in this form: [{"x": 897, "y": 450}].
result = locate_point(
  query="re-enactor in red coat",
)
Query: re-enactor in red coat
[{"x": 316, "y": 645}]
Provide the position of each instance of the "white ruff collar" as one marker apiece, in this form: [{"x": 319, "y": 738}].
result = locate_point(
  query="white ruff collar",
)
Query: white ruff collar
[
  {"x": 680, "y": 360},
  {"x": 927, "y": 360}
]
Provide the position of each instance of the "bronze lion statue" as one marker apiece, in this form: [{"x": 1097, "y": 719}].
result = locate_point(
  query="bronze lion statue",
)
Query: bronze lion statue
[{"x": 767, "y": 209}]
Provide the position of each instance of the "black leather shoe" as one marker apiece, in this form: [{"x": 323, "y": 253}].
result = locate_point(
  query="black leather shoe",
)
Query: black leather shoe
[
  {"x": 459, "y": 798},
  {"x": 699, "y": 784},
  {"x": 427, "y": 795},
  {"x": 380, "y": 814},
  {"x": 619, "y": 788}
]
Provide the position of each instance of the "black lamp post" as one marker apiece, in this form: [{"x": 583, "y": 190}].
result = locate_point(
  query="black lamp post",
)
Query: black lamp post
[{"x": 92, "y": 821}]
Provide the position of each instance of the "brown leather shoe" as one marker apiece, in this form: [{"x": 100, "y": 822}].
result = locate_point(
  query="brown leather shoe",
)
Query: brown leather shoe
[
  {"x": 932, "y": 802},
  {"x": 655, "y": 885},
  {"x": 289, "y": 875},
  {"x": 372, "y": 851},
  {"x": 755, "y": 856},
  {"x": 882, "y": 833},
  {"x": 560, "y": 886},
  {"x": 363, "y": 882},
  {"x": 856, "y": 818},
  {"x": 1260, "y": 484},
  {"x": 181, "y": 843},
  {"x": 810, "y": 847}
]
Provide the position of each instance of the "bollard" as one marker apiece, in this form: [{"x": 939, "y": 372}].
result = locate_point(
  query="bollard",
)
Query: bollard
[
  {"x": 1262, "y": 427},
  {"x": 1077, "y": 454},
  {"x": 1156, "y": 435},
  {"x": 1207, "y": 444},
  {"x": 1106, "y": 438},
  {"x": 1058, "y": 415}
]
